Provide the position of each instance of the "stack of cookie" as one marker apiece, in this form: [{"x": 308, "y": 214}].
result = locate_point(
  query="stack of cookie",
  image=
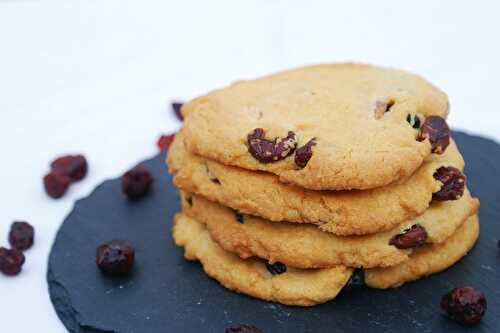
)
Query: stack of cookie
[{"x": 297, "y": 183}]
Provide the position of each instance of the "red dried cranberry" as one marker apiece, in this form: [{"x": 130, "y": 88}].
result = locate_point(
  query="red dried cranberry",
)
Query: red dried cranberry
[
  {"x": 55, "y": 184},
  {"x": 465, "y": 305},
  {"x": 136, "y": 182},
  {"x": 356, "y": 280},
  {"x": 21, "y": 235},
  {"x": 164, "y": 141},
  {"x": 437, "y": 131},
  {"x": 176, "y": 106},
  {"x": 276, "y": 268},
  {"x": 267, "y": 151},
  {"x": 303, "y": 154},
  {"x": 453, "y": 181},
  {"x": 72, "y": 166},
  {"x": 410, "y": 238},
  {"x": 115, "y": 257},
  {"x": 11, "y": 261},
  {"x": 242, "y": 329}
]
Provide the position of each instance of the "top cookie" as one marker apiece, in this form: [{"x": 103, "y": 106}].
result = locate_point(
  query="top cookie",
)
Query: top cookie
[{"x": 339, "y": 126}]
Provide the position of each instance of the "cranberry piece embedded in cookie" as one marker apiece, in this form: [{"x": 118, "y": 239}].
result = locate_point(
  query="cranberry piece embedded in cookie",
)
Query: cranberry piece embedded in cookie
[
  {"x": 453, "y": 184},
  {"x": 242, "y": 329},
  {"x": 72, "y": 166},
  {"x": 267, "y": 151},
  {"x": 303, "y": 154},
  {"x": 55, "y": 184},
  {"x": 115, "y": 257},
  {"x": 437, "y": 131},
  {"x": 410, "y": 238},
  {"x": 11, "y": 261},
  {"x": 276, "y": 268},
  {"x": 136, "y": 182},
  {"x": 164, "y": 141},
  {"x": 176, "y": 106},
  {"x": 465, "y": 305},
  {"x": 21, "y": 235}
]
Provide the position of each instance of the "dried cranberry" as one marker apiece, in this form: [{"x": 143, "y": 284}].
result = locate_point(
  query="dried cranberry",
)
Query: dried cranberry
[
  {"x": 242, "y": 329},
  {"x": 465, "y": 305},
  {"x": 115, "y": 257},
  {"x": 410, "y": 238},
  {"x": 72, "y": 166},
  {"x": 356, "y": 280},
  {"x": 176, "y": 106},
  {"x": 303, "y": 154},
  {"x": 55, "y": 184},
  {"x": 164, "y": 141},
  {"x": 437, "y": 131},
  {"x": 453, "y": 181},
  {"x": 276, "y": 268},
  {"x": 136, "y": 182},
  {"x": 21, "y": 235},
  {"x": 267, "y": 151},
  {"x": 11, "y": 261}
]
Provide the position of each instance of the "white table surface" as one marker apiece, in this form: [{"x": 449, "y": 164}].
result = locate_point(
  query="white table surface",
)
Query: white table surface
[{"x": 96, "y": 77}]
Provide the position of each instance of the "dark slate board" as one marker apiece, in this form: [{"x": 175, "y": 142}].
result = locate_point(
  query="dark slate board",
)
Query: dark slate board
[{"x": 165, "y": 293}]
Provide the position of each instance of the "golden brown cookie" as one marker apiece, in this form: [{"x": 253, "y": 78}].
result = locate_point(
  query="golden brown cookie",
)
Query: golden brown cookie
[
  {"x": 305, "y": 246},
  {"x": 251, "y": 276},
  {"x": 332, "y": 126},
  {"x": 339, "y": 212},
  {"x": 427, "y": 260}
]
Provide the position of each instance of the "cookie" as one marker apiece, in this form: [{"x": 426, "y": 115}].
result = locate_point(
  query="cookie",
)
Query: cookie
[
  {"x": 333, "y": 126},
  {"x": 305, "y": 246},
  {"x": 427, "y": 260},
  {"x": 252, "y": 276},
  {"x": 339, "y": 212}
]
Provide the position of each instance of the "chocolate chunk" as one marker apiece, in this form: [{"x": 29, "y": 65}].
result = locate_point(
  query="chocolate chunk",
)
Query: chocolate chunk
[
  {"x": 453, "y": 184},
  {"x": 303, "y": 154},
  {"x": 413, "y": 120},
  {"x": 276, "y": 268},
  {"x": 267, "y": 151}
]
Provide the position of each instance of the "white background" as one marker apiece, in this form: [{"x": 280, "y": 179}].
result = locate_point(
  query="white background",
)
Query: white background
[{"x": 96, "y": 77}]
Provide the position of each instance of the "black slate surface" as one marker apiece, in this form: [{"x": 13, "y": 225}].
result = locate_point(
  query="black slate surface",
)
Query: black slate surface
[{"x": 165, "y": 293}]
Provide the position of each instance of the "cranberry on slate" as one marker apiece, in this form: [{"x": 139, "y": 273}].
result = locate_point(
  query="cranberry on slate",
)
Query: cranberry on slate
[
  {"x": 303, "y": 154},
  {"x": 410, "y": 238},
  {"x": 267, "y": 151},
  {"x": 115, "y": 257},
  {"x": 242, "y": 329},
  {"x": 164, "y": 141},
  {"x": 437, "y": 131},
  {"x": 176, "y": 106},
  {"x": 276, "y": 268},
  {"x": 21, "y": 235},
  {"x": 11, "y": 261},
  {"x": 136, "y": 182},
  {"x": 55, "y": 184},
  {"x": 453, "y": 184},
  {"x": 465, "y": 305},
  {"x": 72, "y": 166}
]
